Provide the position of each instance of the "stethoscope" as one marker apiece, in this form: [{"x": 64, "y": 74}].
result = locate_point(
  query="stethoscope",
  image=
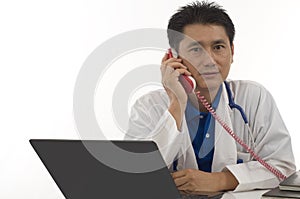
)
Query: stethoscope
[{"x": 233, "y": 105}]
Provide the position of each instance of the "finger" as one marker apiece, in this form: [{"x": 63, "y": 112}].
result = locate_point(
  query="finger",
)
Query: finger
[
  {"x": 170, "y": 71},
  {"x": 178, "y": 174},
  {"x": 172, "y": 67},
  {"x": 176, "y": 65},
  {"x": 180, "y": 181},
  {"x": 185, "y": 187},
  {"x": 165, "y": 58},
  {"x": 174, "y": 74},
  {"x": 182, "y": 72}
]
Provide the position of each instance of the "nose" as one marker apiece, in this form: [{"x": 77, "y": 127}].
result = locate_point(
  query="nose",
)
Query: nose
[{"x": 209, "y": 60}]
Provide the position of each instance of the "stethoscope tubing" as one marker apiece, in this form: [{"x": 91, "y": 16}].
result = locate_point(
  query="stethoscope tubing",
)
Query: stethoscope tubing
[{"x": 233, "y": 105}]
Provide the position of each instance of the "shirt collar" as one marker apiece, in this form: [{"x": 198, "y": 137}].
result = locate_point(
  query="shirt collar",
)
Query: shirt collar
[{"x": 191, "y": 112}]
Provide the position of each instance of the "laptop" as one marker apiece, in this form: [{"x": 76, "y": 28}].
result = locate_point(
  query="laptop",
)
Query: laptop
[{"x": 93, "y": 169}]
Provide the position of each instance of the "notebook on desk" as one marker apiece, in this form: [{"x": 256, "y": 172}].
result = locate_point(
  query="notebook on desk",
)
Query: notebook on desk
[
  {"x": 289, "y": 188},
  {"x": 292, "y": 183},
  {"x": 280, "y": 194},
  {"x": 80, "y": 174}
]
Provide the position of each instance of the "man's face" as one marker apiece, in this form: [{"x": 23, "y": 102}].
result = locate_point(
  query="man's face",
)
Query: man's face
[{"x": 207, "y": 53}]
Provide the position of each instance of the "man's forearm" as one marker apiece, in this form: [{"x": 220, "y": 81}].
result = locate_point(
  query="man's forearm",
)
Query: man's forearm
[{"x": 177, "y": 110}]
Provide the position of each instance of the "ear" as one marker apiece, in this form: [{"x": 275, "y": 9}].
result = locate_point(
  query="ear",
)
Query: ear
[{"x": 232, "y": 52}]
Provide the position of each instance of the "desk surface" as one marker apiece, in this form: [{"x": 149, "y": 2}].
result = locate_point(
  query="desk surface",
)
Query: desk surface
[{"x": 244, "y": 195}]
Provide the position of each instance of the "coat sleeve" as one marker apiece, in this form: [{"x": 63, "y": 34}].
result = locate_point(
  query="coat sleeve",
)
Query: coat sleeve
[
  {"x": 272, "y": 144},
  {"x": 151, "y": 120}
]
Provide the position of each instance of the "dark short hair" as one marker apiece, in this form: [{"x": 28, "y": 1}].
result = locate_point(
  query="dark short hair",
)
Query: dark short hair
[{"x": 198, "y": 13}]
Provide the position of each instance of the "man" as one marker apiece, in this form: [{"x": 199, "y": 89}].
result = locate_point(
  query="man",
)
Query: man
[{"x": 201, "y": 154}]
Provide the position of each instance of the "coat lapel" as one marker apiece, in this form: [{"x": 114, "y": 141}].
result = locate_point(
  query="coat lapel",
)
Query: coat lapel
[{"x": 225, "y": 148}]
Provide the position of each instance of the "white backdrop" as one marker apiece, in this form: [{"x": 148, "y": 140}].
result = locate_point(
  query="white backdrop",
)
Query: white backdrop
[{"x": 44, "y": 43}]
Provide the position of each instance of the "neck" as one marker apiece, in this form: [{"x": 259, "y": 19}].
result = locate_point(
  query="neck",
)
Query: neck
[{"x": 209, "y": 95}]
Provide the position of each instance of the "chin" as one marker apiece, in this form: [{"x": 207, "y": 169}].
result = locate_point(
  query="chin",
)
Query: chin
[{"x": 209, "y": 85}]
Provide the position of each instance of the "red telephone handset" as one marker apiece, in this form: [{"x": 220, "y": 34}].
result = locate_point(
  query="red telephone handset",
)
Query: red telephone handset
[{"x": 188, "y": 83}]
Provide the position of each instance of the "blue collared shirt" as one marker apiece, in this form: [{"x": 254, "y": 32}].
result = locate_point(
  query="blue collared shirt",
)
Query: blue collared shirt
[{"x": 201, "y": 127}]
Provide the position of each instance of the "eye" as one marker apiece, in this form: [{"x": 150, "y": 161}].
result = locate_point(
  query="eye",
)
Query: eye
[
  {"x": 219, "y": 47},
  {"x": 195, "y": 50}
]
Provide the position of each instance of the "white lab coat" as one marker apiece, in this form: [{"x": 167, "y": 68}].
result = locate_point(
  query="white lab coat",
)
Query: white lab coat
[{"x": 150, "y": 119}]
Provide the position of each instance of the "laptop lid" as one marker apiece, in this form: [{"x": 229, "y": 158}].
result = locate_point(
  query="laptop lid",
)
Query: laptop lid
[{"x": 106, "y": 169}]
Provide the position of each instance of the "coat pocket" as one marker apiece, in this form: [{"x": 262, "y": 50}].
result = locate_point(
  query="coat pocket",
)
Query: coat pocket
[{"x": 243, "y": 157}]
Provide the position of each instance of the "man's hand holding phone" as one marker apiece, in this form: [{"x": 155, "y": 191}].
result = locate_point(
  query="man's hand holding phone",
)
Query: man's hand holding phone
[{"x": 171, "y": 69}]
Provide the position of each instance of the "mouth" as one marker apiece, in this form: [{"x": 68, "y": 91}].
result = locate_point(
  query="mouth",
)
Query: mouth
[{"x": 210, "y": 74}]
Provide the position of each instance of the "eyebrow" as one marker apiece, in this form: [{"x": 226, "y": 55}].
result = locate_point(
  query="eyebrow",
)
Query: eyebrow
[{"x": 197, "y": 43}]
